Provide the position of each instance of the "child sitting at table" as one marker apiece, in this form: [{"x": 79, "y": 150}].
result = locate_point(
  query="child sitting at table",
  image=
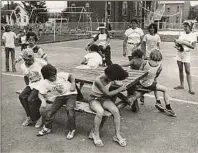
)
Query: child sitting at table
[
  {"x": 149, "y": 82},
  {"x": 91, "y": 60},
  {"x": 101, "y": 98},
  {"x": 59, "y": 89},
  {"x": 38, "y": 52}
]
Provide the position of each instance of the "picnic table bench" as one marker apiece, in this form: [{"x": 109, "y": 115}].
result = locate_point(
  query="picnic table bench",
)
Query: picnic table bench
[{"x": 88, "y": 76}]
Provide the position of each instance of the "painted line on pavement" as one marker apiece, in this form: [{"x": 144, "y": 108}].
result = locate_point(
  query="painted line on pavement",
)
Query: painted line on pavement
[{"x": 148, "y": 95}]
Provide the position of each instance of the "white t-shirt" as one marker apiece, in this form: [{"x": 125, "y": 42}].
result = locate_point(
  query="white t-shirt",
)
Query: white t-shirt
[
  {"x": 93, "y": 59},
  {"x": 33, "y": 72},
  {"x": 23, "y": 39},
  {"x": 9, "y": 38},
  {"x": 60, "y": 87},
  {"x": 151, "y": 43},
  {"x": 191, "y": 37},
  {"x": 101, "y": 39},
  {"x": 134, "y": 35}
]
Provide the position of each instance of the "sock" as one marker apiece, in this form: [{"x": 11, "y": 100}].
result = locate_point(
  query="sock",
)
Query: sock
[
  {"x": 168, "y": 106},
  {"x": 158, "y": 101}
]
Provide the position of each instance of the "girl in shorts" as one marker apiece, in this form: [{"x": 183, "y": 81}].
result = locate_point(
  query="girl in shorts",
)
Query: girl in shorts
[
  {"x": 101, "y": 98},
  {"x": 188, "y": 42}
]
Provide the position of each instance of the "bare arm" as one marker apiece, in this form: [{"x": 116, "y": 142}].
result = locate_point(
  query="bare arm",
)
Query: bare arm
[
  {"x": 42, "y": 98},
  {"x": 188, "y": 44},
  {"x": 84, "y": 61},
  {"x": 102, "y": 88}
]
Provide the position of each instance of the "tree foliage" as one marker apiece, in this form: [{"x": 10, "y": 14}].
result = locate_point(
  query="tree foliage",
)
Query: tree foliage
[{"x": 37, "y": 11}]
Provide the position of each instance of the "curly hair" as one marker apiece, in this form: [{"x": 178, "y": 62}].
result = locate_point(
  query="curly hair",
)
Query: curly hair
[
  {"x": 94, "y": 47},
  {"x": 134, "y": 20},
  {"x": 48, "y": 70},
  {"x": 31, "y": 34},
  {"x": 156, "y": 55},
  {"x": 137, "y": 53},
  {"x": 116, "y": 72}
]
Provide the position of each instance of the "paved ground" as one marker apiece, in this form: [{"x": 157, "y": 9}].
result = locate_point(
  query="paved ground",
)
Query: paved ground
[{"x": 147, "y": 132}]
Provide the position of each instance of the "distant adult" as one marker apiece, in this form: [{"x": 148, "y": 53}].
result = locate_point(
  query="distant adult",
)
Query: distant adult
[
  {"x": 103, "y": 41},
  {"x": 9, "y": 38},
  {"x": 185, "y": 44},
  {"x": 132, "y": 39}
]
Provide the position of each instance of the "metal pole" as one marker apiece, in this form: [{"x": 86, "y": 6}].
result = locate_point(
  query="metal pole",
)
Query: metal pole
[
  {"x": 106, "y": 13},
  {"x": 54, "y": 28},
  {"x": 180, "y": 21}
]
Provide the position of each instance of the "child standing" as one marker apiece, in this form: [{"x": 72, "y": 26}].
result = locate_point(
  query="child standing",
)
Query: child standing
[
  {"x": 38, "y": 52},
  {"x": 22, "y": 40},
  {"x": 29, "y": 96},
  {"x": 92, "y": 60},
  {"x": 60, "y": 89},
  {"x": 9, "y": 38},
  {"x": 154, "y": 69},
  {"x": 151, "y": 41},
  {"x": 101, "y": 98}
]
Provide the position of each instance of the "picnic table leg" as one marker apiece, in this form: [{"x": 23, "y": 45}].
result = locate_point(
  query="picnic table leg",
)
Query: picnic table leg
[{"x": 79, "y": 95}]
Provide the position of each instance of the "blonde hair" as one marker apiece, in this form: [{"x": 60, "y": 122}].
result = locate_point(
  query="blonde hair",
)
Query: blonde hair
[{"x": 156, "y": 55}]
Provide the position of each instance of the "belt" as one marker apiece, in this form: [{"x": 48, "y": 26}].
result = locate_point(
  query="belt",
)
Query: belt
[{"x": 131, "y": 43}]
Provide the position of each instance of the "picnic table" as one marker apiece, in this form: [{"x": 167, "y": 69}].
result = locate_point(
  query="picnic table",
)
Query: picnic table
[{"x": 88, "y": 76}]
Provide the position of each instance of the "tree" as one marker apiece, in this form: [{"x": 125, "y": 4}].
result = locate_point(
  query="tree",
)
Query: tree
[{"x": 34, "y": 9}]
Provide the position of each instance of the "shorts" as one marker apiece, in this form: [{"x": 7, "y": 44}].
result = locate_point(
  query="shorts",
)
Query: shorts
[
  {"x": 100, "y": 99},
  {"x": 152, "y": 87},
  {"x": 183, "y": 57}
]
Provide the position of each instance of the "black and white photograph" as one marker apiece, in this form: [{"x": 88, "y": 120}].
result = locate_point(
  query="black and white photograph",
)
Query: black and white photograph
[{"x": 99, "y": 76}]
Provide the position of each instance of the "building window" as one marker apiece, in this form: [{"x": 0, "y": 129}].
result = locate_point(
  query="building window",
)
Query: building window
[
  {"x": 177, "y": 8},
  {"x": 24, "y": 19},
  {"x": 108, "y": 8},
  {"x": 168, "y": 9},
  {"x": 136, "y": 9},
  {"x": 177, "y": 19},
  {"x": 124, "y": 8}
]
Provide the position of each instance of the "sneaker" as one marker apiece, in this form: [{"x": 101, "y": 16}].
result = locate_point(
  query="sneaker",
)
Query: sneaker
[
  {"x": 70, "y": 135},
  {"x": 159, "y": 107},
  {"x": 27, "y": 122},
  {"x": 38, "y": 123},
  {"x": 43, "y": 131},
  {"x": 170, "y": 112}
]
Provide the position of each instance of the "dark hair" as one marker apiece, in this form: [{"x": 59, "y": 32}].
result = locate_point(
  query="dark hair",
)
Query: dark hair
[
  {"x": 189, "y": 24},
  {"x": 94, "y": 47},
  {"x": 31, "y": 34},
  {"x": 154, "y": 26},
  {"x": 156, "y": 55},
  {"x": 48, "y": 71},
  {"x": 7, "y": 28},
  {"x": 137, "y": 53},
  {"x": 135, "y": 20},
  {"x": 116, "y": 72}
]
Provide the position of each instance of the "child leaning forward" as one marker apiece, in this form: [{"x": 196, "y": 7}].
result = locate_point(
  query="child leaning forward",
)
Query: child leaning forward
[
  {"x": 101, "y": 99},
  {"x": 59, "y": 89}
]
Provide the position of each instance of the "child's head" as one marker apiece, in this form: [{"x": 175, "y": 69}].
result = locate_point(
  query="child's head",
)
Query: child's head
[
  {"x": 49, "y": 72},
  {"x": 187, "y": 26},
  {"x": 138, "y": 53},
  {"x": 94, "y": 48},
  {"x": 156, "y": 55},
  {"x": 28, "y": 56},
  {"x": 152, "y": 28},
  {"x": 115, "y": 72},
  {"x": 134, "y": 23},
  {"x": 7, "y": 28},
  {"x": 102, "y": 28},
  {"x": 31, "y": 37}
]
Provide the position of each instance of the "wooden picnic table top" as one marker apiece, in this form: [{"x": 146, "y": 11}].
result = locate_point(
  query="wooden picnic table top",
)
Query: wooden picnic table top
[{"x": 89, "y": 75}]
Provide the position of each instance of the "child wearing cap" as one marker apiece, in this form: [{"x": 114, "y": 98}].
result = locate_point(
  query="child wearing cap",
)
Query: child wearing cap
[
  {"x": 188, "y": 41},
  {"x": 91, "y": 60},
  {"x": 31, "y": 69},
  {"x": 103, "y": 41},
  {"x": 38, "y": 52}
]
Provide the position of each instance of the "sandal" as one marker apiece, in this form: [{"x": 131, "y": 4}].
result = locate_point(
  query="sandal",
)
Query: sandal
[
  {"x": 178, "y": 87},
  {"x": 98, "y": 142},
  {"x": 70, "y": 135},
  {"x": 191, "y": 92},
  {"x": 121, "y": 142}
]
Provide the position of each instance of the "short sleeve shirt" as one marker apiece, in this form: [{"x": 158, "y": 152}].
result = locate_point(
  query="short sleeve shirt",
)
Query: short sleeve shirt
[
  {"x": 151, "y": 42},
  {"x": 33, "y": 72},
  {"x": 93, "y": 59},
  {"x": 191, "y": 37},
  {"x": 60, "y": 87},
  {"x": 9, "y": 38},
  {"x": 101, "y": 38},
  {"x": 134, "y": 35}
]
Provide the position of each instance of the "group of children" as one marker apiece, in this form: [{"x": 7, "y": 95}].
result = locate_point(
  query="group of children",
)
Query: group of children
[{"x": 47, "y": 90}]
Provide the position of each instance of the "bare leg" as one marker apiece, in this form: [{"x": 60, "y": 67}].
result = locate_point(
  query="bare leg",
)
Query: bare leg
[
  {"x": 188, "y": 76},
  {"x": 181, "y": 75}
]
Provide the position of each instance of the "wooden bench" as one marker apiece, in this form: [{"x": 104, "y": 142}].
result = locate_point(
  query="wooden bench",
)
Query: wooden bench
[{"x": 82, "y": 107}]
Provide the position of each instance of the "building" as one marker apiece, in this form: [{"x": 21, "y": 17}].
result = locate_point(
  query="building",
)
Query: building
[
  {"x": 175, "y": 7},
  {"x": 14, "y": 16},
  {"x": 117, "y": 11}
]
